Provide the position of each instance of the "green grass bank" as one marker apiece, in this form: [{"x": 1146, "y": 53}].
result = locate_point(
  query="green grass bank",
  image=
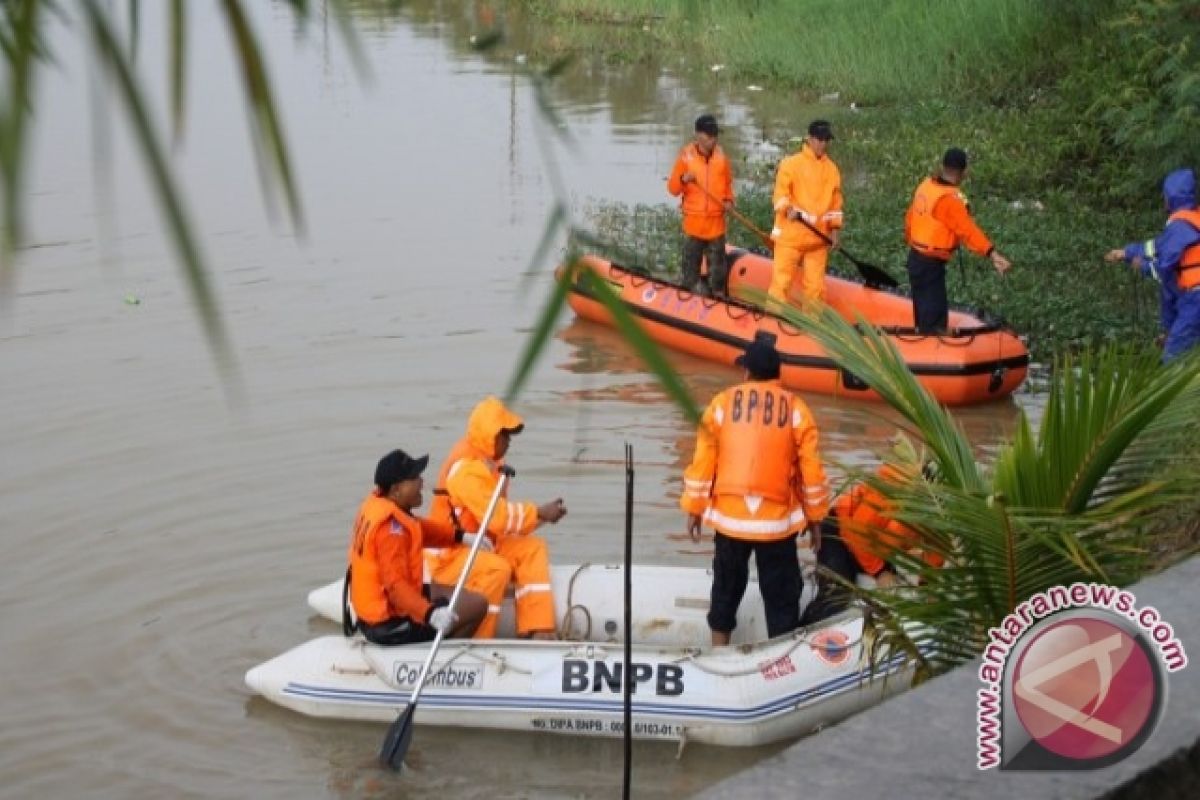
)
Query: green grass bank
[{"x": 1072, "y": 113}]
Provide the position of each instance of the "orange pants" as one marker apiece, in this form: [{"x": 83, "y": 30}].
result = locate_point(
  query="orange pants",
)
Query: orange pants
[
  {"x": 530, "y": 563},
  {"x": 489, "y": 576},
  {"x": 812, "y": 263}
]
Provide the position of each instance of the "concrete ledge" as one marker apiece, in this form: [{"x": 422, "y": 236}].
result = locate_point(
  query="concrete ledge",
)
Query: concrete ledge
[{"x": 922, "y": 743}]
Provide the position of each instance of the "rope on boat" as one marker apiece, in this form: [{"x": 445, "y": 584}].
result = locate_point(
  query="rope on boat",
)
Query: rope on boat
[
  {"x": 803, "y": 638},
  {"x": 565, "y": 627}
]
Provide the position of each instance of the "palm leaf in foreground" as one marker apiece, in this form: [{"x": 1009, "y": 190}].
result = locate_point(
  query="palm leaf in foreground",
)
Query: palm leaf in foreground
[{"x": 1079, "y": 500}]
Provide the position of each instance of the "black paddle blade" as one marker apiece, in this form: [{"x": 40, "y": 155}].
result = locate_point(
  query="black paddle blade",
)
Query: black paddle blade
[
  {"x": 873, "y": 276},
  {"x": 399, "y": 737}
]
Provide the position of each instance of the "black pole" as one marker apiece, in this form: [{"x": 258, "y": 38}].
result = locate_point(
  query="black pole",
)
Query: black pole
[{"x": 628, "y": 667}]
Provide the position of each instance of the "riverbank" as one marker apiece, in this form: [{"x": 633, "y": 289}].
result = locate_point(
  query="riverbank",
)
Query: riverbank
[{"x": 1061, "y": 108}]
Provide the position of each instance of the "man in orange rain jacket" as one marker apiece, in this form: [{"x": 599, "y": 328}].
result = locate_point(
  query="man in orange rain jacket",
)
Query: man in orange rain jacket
[
  {"x": 702, "y": 179},
  {"x": 808, "y": 194},
  {"x": 757, "y": 478},
  {"x": 936, "y": 223},
  {"x": 465, "y": 485},
  {"x": 392, "y": 602}
]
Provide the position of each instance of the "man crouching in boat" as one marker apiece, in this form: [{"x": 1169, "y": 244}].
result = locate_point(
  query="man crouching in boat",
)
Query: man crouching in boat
[
  {"x": 386, "y": 565},
  {"x": 757, "y": 478},
  {"x": 464, "y": 488}
]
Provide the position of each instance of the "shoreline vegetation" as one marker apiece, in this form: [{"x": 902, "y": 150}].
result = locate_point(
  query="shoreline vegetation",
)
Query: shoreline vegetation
[{"x": 1072, "y": 113}]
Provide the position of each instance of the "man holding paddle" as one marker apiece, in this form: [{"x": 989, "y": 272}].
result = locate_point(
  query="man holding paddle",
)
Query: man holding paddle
[
  {"x": 385, "y": 589},
  {"x": 937, "y": 222},
  {"x": 703, "y": 181},
  {"x": 808, "y": 216}
]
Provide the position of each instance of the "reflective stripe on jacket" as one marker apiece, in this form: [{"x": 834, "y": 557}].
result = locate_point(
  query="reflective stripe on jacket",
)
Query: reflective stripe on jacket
[
  {"x": 752, "y": 477},
  {"x": 813, "y": 187},
  {"x": 703, "y": 217},
  {"x": 937, "y": 221},
  {"x": 386, "y": 564}
]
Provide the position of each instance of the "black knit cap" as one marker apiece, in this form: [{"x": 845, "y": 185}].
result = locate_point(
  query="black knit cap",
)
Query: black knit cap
[
  {"x": 761, "y": 359},
  {"x": 707, "y": 123},
  {"x": 955, "y": 158},
  {"x": 398, "y": 466}
]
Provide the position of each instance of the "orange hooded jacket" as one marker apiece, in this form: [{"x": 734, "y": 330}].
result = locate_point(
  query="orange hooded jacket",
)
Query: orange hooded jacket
[{"x": 470, "y": 473}]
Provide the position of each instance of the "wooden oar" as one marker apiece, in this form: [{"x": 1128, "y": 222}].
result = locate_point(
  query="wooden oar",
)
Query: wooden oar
[
  {"x": 399, "y": 735},
  {"x": 872, "y": 275},
  {"x": 740, "y": 217}
]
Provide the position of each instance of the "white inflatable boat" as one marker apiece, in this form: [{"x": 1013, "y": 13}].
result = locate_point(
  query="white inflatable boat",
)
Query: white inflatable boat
[{"x": 752, "y": 692}]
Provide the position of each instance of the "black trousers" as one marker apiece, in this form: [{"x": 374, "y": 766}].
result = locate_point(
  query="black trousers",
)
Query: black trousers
[
  {"x": 778, "y": 579},
  {"x": 713, "y": 251},
  {"x": 927, "y": 277}
]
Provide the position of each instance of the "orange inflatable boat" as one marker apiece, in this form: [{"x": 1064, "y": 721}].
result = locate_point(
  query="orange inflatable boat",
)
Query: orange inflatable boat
[{"x": 973, "y": 363}]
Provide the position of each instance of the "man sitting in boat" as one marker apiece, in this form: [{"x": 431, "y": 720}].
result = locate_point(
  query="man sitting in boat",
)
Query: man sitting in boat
[
  {"x": 757, "y": 478},
  {"x": 464, "y": 488},
  {"x": 384, "y": 579}
]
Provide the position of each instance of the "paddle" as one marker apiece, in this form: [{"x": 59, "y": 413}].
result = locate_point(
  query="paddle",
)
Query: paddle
[
  {"x": 399, "y": 735},
  {"x": 873, "y": 276},
  {"x": 740, "y": 217}
]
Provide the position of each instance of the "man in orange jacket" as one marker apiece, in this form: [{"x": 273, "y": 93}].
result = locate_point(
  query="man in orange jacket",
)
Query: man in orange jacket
[
  {"x": 465, "y": 486},
  {"x": 757, "y": 478},
  {"x": 937, "y": 222},
  {"x": 392, "y": 602},
  {"x": 808, "y": 205},
  {"x": 703, "y": 181},
  {"x": 860, "y": 536}
]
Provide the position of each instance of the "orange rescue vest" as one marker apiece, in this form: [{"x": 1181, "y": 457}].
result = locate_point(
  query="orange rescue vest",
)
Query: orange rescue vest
[
  {"x": 1189, "y": 262},
  {"x": 378, "y": 517},
  {"x": 928, "y": 235},
  {"x": 756, "y": 452}
]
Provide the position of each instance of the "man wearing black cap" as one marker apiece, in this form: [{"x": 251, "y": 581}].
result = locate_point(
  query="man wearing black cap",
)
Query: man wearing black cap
[
  {"x": 757, "y": 479},
  {"x": 386, "y": 590},
  {"x": 937, "y": 222},
  {"x": 703, "y": 181},
  {"x": 808, "y": 216}
]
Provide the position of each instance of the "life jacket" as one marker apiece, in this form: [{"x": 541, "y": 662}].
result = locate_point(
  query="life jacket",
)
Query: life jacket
[
  {"x": 1189, "y": 262},
  {"x": 378, "y": 516},
  {"x": 926, "y": 234},
  {"x": 756, "y": 451}
]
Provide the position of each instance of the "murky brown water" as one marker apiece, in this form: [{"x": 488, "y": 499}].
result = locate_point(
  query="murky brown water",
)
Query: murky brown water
[{"x": 158, "y": 541}]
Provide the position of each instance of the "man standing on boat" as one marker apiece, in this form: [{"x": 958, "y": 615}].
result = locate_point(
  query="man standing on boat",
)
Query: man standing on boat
[
  {"x": 808, "y": 216},
  {"x": 703, "y": 181},
  {"x": 1173, "y": 259},
  {"x": 386, "y": 589},
  {"x": 757, "y": 478},
  {"x": 937, "y": 222},
  {"x": 464, "y": 488}
]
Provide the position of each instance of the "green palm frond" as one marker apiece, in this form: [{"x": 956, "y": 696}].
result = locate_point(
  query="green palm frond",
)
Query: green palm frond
[{"x": 1077, "y": 500}]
